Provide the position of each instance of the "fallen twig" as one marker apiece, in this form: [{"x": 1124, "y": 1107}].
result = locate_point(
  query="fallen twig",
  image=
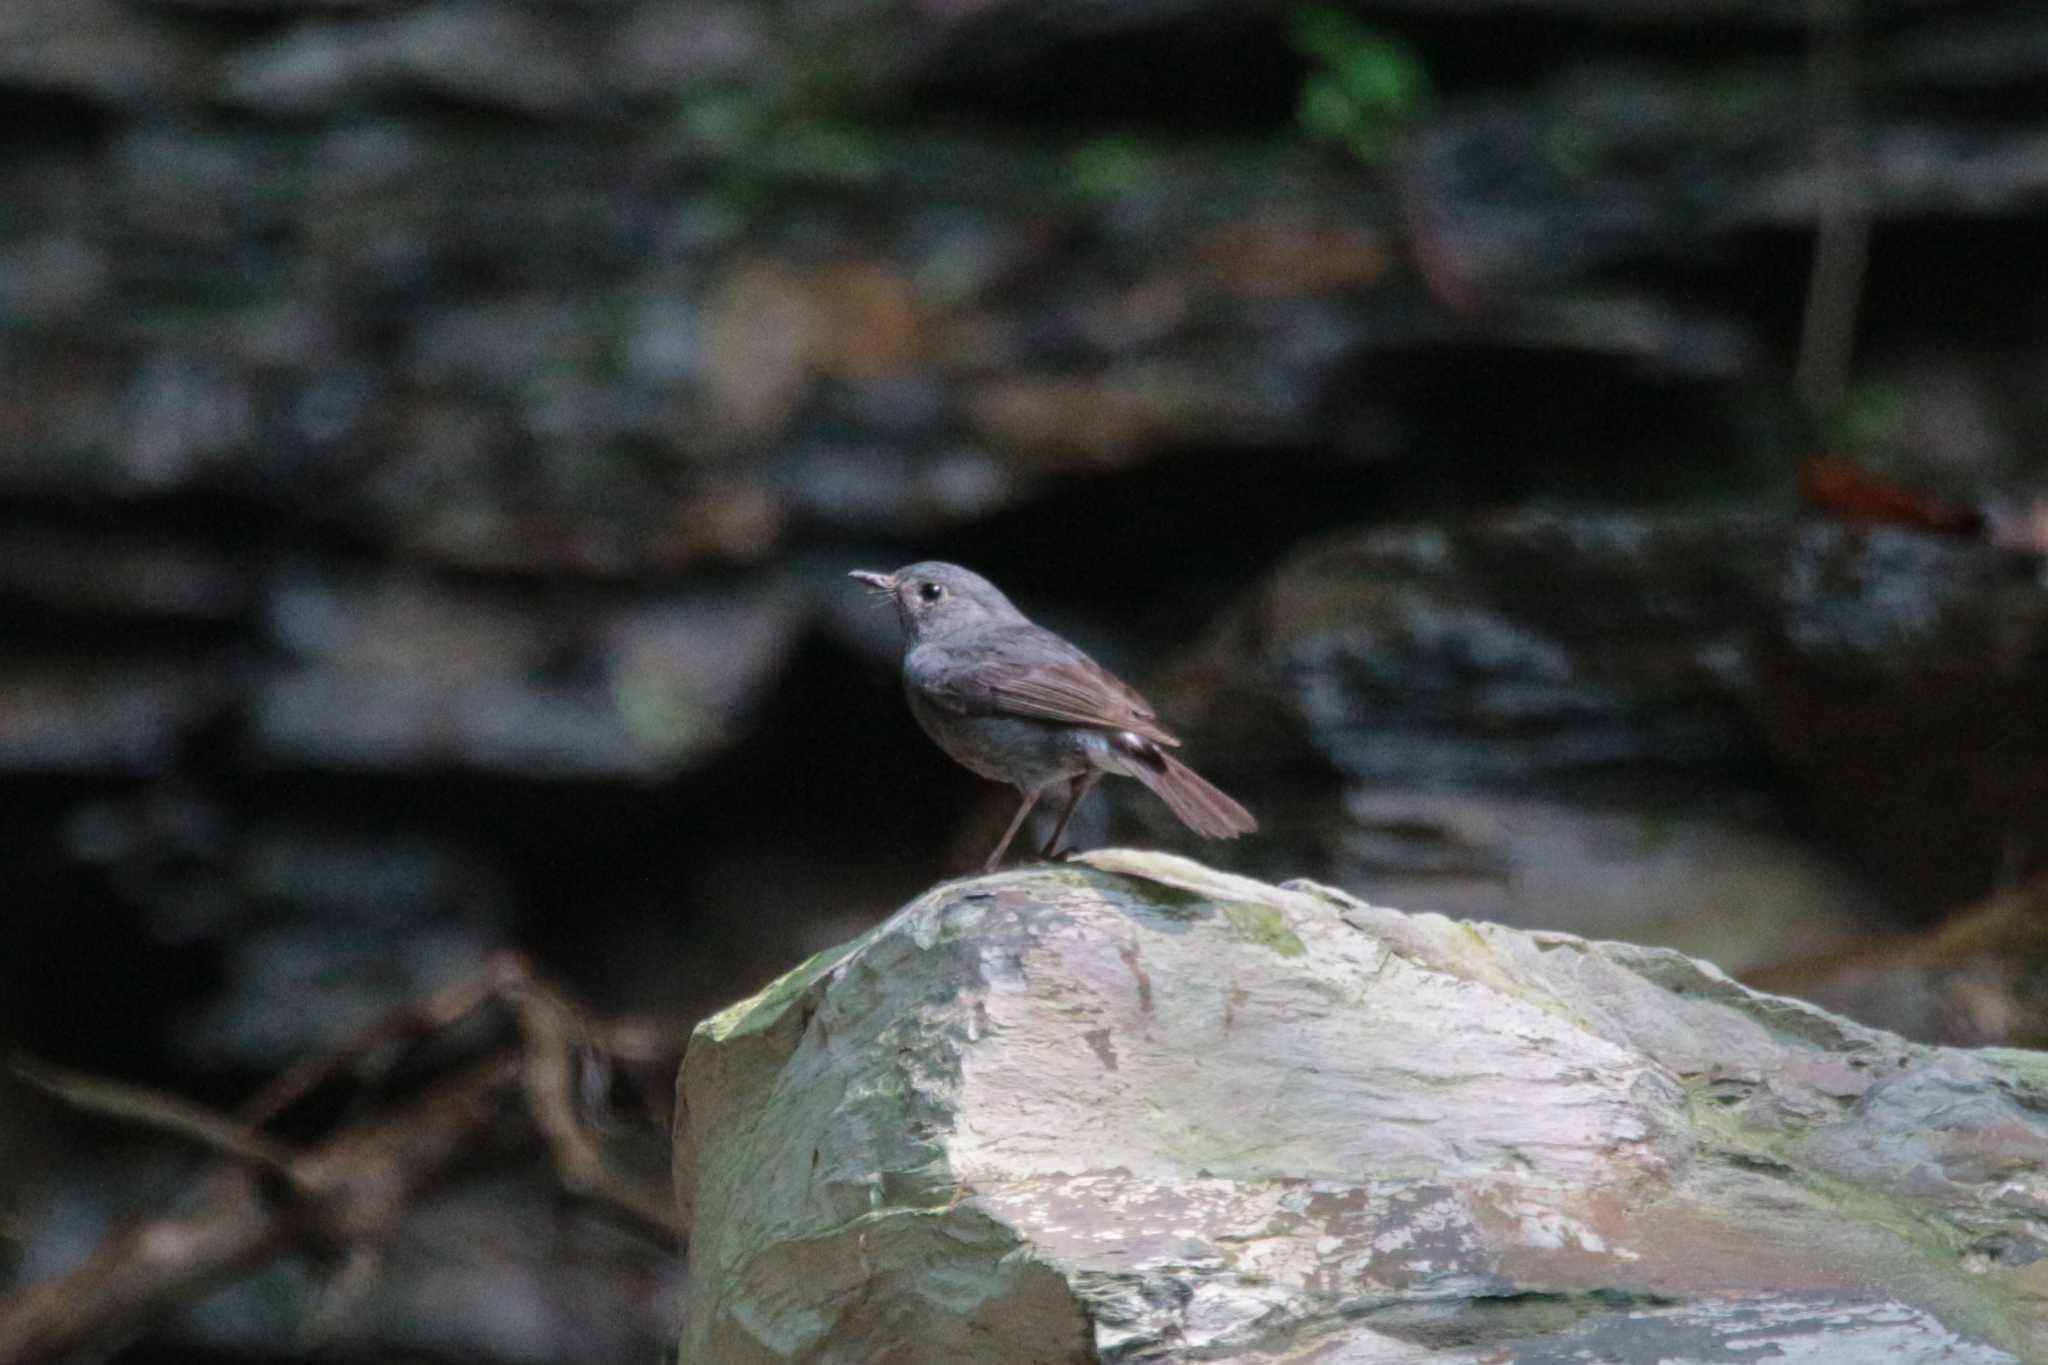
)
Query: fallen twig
[
  {"x": 556, "y": 1042},
  {"x": 341, "y": 1199},
  {"x": 349, "y": 1190},
  {"x": 153, "y": 1109},
  {"x": 503, "y": 971}
]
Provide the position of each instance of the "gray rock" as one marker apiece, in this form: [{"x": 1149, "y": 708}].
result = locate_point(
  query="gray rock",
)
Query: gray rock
[
  {"x": 125, "y": 715},
  {"x": 102, "y": 50},
  {"x": 501, "y": 344},
  {"x": 270, "y": 8},
  {"x": 401, "y": 674},
  {"x": 492, "y": 55},
  {"x": 665, "y": 45},
  {"x": 1561, "y": 652},
  {"x": 1569, "y": 719},
  {"x": 1737, "y": 891},
  {"x": 323, "y": 934},
  {"x": 50, "y": 279},
  {"x": 1132, "y": 1109},
  {"x": 1902, "y": 681}
]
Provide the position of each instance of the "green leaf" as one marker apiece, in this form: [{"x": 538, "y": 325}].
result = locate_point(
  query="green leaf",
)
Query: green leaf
[{"x": 1378, "y": 73}]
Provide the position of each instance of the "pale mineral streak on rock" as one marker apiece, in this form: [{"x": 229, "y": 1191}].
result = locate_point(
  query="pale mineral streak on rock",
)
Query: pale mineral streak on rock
[{"x": 1333, "y": 1132}]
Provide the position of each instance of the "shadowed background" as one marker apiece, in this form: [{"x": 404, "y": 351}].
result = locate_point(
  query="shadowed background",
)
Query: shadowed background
[{"x": 1576, "y": 463}]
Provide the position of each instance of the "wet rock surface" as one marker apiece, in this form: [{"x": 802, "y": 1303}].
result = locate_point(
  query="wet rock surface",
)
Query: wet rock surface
[{"x": 1134, "y": 1109}]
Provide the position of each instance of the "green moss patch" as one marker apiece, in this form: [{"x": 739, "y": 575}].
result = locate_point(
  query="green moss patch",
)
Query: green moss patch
[
  {"x": 1262, "y": 924},
  {"x": 759, "y": 1012}
]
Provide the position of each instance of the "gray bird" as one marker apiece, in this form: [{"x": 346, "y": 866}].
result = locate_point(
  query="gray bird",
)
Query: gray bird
[{"x": 1017, "y": 704}]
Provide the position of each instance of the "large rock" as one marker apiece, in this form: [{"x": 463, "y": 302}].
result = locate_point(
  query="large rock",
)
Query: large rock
[
  {"x": 1132, "y": 1109},
  {"x": 1635, "y": 724}
]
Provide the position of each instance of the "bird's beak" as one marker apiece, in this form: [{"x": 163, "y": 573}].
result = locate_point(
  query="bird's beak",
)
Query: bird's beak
[{"x": 880, "y": 582}]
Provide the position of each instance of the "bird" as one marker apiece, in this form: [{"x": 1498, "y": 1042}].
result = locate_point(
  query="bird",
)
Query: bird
[{"x": 1018, "y": 704}]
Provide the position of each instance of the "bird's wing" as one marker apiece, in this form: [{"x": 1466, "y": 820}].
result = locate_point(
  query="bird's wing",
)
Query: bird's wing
[{"x": 1027, "y": 671}]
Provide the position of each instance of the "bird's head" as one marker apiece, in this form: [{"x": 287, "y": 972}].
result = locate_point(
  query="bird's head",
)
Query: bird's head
[{"x": 934, "y": 599}]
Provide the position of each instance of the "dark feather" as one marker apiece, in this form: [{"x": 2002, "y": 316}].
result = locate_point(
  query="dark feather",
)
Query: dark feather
[
  {"x": 1199, "y": 806},
  {"x": 1025, "y": 671}
]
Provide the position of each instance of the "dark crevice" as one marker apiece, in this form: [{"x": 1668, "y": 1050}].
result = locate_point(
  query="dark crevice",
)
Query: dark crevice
[
  {"x": 97, "y": 998},
  {"x": 1505, "y": 424},
  {"x": 1241, "y": 75},
  {"x": 1154, "y": 551},
  {"x": 52, "y": 122},
  {"x": 1232, "y": 75},
  {"x": 2006, "y": 103},
  {"x": 1924, "y": 272}
]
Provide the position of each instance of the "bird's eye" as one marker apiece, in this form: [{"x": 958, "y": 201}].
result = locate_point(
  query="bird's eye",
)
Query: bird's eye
[{"x": 930, "y": 592}]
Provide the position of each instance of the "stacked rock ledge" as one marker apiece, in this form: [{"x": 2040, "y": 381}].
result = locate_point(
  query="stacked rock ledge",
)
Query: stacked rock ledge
[{"x": 1132, "y": 1109}]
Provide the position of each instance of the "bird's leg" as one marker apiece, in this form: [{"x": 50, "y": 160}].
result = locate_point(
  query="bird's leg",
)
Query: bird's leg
[
  {"x": 1080, "y": 787},
  {"x": 1024, "y": 809}
]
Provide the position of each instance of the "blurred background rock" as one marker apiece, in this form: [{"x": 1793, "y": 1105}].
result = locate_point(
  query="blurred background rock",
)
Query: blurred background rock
[{"x": 432, "y": 434}]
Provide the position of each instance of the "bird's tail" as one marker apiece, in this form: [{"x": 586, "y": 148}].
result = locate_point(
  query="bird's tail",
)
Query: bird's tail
[{"x": 1202, "y": 808}]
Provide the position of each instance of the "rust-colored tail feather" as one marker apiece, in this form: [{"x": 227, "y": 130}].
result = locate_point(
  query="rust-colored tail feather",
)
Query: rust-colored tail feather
[{"x": 1200, "y": 806}]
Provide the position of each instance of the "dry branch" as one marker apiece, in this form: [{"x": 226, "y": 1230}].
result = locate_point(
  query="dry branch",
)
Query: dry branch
[{"x": 342, "y": 1199}]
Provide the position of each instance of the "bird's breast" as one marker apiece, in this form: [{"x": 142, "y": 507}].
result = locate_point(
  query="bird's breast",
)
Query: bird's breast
[{"x": 1013, "y": 749}]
